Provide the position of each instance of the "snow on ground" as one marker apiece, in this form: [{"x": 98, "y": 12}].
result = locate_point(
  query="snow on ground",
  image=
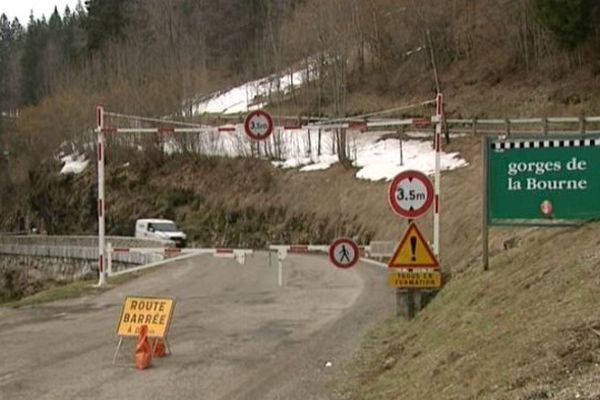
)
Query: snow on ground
[
  {"x": 249, "y": 96},
  {"x": 375, "y": 156},
  {"x": 381, "y": 159},
  {"x": 73, "y": 164}
]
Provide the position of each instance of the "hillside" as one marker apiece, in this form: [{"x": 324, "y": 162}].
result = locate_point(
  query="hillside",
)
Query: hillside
[{"x": 527, "y": 329}]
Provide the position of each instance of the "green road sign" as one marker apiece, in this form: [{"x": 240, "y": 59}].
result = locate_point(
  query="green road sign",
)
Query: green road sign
[{"x": 543, "y": 180}]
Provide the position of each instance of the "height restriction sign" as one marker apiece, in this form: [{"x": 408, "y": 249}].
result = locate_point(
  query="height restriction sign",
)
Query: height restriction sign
[
  {"x": 410, "y": 194},
  {"x": 258, "y": 125}
]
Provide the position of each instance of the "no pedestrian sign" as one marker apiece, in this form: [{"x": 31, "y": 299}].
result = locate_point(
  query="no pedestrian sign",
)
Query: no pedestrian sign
[
  {"x": 344, "y": 253},
  {"x": 258, "y": 125},
  {"x": 153, "y": 312},
  {"x": 410, "y": 194}
]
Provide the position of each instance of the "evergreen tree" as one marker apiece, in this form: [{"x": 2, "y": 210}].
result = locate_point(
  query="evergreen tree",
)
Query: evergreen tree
[
  {"x": 570, "y": 20},
  {"x": 35, "y": 41},
  {"x": 10, "y": 43},
  {"x": 106, "y": 20}
]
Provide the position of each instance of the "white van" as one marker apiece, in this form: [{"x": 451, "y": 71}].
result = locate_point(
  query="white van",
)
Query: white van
[{"x": 163, "y": 229}]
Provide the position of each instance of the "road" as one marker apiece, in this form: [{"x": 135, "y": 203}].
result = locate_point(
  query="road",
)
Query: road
[{"x": 235, "y": 334}]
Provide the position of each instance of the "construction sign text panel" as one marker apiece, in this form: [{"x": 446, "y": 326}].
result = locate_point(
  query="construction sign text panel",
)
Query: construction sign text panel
[
  {"x": 154, "y": 312},
  {"x": 416, "y": 280}
]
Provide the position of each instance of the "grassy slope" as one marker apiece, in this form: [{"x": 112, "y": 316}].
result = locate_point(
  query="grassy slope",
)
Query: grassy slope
[{"x": 527, "y": 329}]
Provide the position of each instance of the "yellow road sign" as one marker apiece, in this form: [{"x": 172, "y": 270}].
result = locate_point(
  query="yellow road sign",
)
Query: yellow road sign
[
  {"x": 413, "y": 251},
  {"x": 416, "y": 280},
  {"x": 154, "y": 312}
]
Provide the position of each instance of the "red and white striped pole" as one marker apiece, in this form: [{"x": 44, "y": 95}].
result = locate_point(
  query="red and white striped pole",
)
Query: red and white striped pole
[
  {"x": 439, "y": 115},
  {"x": 101, "y": 205}
]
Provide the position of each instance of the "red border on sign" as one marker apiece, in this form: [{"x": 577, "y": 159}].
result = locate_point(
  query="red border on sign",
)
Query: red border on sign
[
  {"x": 352, "y": 244},
  {"x": 247, "y": 125},
  {"x": 392, "y": 193},
  {"x": 413, "y": 227}
]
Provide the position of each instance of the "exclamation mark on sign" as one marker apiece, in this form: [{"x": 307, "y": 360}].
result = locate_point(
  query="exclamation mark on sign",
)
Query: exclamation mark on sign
[{"x": 413, "y": 247}]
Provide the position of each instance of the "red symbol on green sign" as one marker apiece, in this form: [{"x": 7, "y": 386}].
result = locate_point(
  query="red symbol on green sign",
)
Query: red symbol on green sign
[{"x": 546, "y": 208}]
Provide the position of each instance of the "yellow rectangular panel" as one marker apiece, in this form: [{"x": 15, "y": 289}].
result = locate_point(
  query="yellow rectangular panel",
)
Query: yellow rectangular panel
[
  {"x": 153, "y": 312},
  {"x": 416, "y": 280}
]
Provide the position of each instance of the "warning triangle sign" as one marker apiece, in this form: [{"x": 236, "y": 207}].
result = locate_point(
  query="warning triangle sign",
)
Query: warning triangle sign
[{"x": 413, "y": 251}]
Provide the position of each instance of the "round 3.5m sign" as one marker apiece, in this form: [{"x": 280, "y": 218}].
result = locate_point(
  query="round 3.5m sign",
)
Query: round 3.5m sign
[
  {"x": 344, "y": 253},
  {"x": 410, "y": 194},
  {"x": 258, "y": 125}
]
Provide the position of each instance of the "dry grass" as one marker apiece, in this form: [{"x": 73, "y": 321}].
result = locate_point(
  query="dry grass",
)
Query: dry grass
[
  {"x": 71, "y": 291},
  {"x": 526, "y": 329}
]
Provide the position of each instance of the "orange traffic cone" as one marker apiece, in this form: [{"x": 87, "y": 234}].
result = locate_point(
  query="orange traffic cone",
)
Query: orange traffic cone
[
  {"x": 160, "y": 350},
  {"x": 143, "y": 350}
]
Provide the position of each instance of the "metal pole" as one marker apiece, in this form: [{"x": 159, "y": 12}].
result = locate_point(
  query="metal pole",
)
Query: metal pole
[
  {"x": 399, "y": 302},
  {"x": 101, "y": 205},
  {"x": 400, "y": 130},
  {"x": 270, "y": 263},
  {"x": 484, "y": 184},
  {"x": 109, "y": 251},
  {"x": 410, "y": 304},
  {"x": 439, "y": 113},
  {"x": 281, "y": 253}
]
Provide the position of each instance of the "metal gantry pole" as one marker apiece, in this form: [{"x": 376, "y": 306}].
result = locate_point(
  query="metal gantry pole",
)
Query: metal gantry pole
[
  {"x": 485, "y": 206},
  {"x": 439, "y": 114},
  {"x": 101, "y": 205}
]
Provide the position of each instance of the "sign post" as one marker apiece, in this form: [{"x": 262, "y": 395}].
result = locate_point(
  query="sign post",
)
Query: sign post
[
  {"x": 410, "y": 195},
  {"x": 100, "y": 150}
]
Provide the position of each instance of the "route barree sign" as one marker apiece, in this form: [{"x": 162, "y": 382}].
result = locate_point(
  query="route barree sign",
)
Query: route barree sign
[
  {"x": 154, "y": 312},
  {"x": 543, "y": 180}
]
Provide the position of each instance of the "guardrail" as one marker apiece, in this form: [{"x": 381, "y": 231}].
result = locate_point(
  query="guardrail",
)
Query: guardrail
[
  {"x": 81, "y": 241},
  {"x": 512, "y": 126},
  {"x": 84, "y": 253},
  {"x": 76, "y": 252}
]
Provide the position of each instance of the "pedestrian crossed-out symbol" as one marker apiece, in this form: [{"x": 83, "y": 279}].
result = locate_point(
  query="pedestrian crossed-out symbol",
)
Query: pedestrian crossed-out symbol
[{"x": 343, "y": 253}]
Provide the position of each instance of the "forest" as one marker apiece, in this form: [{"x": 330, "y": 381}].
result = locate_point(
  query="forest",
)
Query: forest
[{"x": 155, "y": 57}]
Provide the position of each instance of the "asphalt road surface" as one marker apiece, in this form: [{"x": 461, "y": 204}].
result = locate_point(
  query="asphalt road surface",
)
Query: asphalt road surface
[{"x": 235, "y": 334}]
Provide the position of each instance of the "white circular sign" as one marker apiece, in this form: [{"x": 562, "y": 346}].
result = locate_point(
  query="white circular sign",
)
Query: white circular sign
[
  {"x": 258, "y": 125},
  {"x": 410, "y": 194},
  {"x": 344, "y": 253}
]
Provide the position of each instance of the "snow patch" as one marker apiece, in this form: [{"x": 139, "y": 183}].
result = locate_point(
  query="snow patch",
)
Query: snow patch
[
  {"x": 73, "y": 164},
  {"x": 250, "y": 96}
]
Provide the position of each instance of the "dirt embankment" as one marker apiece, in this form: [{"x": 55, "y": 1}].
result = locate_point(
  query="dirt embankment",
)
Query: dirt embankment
[{"x": 529, "y": 328}]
